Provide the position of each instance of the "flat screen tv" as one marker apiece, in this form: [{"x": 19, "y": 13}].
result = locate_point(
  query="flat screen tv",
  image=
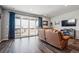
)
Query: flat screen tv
[{"x": 70, "y": 22}]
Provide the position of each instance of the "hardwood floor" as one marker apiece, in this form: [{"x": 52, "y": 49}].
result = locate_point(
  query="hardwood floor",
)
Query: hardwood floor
[
  {"x": 31, "y": 45},
  {"x": 23, "y": 45}
]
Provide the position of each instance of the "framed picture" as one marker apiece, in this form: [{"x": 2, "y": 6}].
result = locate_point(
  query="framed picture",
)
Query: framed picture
[
  {"x": 45, "y": 23},
  {"x": 57, "y": 23}
]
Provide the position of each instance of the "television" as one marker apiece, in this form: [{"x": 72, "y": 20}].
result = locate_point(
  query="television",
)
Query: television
[{"x": 70, "y": 22}]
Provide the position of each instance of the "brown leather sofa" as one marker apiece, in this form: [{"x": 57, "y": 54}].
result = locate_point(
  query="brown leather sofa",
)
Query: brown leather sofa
[
  {"x": 54, "y": 37},
  {"x": 41, "y": 34}
]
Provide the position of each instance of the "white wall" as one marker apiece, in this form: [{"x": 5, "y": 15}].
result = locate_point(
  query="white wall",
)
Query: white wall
[
  {"x": 47, "y": 19},
  {"x": 5, "y": 25},
  {"x": 66, "y": 16}
]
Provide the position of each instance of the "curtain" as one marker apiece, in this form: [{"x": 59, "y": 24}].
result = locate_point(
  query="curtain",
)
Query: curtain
[
  {"x": 40, "y": 25},
  {"x": 11, "y": 25}
]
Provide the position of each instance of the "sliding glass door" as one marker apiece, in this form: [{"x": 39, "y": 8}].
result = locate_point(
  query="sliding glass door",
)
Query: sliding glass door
[
  {"x": 33, "y": 28},
  {"x": 25, "y": 27}
]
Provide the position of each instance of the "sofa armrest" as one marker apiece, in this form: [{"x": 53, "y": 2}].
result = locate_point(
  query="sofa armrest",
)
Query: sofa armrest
[{"x": 66, "y": 37}]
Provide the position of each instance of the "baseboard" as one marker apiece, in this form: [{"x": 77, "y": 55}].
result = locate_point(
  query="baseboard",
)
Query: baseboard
[{"x": 3, "y": 40}]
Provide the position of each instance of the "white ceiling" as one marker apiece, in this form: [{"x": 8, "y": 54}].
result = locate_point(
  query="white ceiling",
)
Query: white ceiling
[{"x": 46, "y": 10}]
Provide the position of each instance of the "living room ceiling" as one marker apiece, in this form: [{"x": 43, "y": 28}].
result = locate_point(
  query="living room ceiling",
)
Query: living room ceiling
[{"x": 46, "y": 10}]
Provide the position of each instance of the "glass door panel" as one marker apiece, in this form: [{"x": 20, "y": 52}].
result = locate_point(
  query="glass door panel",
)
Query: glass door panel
[
  {"x": 24, "y": 27},
  {"x": 17, "y": 28},
  {"x": 32, "y": 32},
  {"x": 33, "y": 29}
]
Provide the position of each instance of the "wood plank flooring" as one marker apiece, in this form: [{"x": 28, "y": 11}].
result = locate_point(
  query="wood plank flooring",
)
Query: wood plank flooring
[{"x": 31, "y": 45}]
